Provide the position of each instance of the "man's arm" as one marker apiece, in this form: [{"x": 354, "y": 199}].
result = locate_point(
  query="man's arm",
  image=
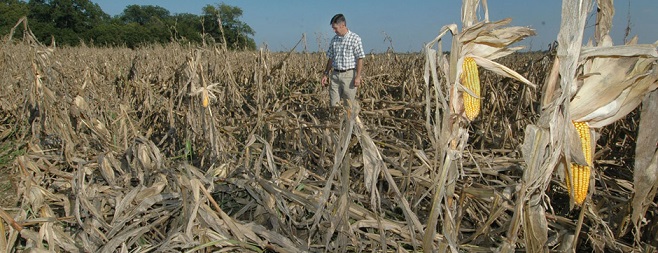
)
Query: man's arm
[
  {"x": 359, "y": 66},
  {"x": 327, "y": 68},
  {"x": 325, "y": 73}
]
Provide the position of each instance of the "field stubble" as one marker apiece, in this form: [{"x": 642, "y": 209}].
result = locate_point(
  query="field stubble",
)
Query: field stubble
[{"x": 111, "y": 149}]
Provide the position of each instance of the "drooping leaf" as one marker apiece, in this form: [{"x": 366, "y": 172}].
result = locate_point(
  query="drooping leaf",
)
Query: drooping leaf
[{"x": 501, "y": 70}]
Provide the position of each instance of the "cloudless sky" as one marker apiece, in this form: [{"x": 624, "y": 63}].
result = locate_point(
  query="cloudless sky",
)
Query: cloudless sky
[{"x": 279, "y": 24}]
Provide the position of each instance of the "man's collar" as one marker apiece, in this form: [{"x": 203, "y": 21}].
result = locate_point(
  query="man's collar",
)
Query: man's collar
[{"x": 348, "y": 32}]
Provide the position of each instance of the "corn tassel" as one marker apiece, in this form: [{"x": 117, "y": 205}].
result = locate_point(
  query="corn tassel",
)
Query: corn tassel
[
  {"x": 581, "y": 173},
  {"x": 471, "y": 80}
]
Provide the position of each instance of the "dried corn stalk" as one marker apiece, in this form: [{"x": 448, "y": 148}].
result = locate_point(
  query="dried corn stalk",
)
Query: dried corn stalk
[
  {"x": 598, "y": 85},
  {"x": 544, "y": 142},
  {"x": 645, "y": 174},
  {"x": 613, "y": 82},
  {"x": 478, "y": 44}
]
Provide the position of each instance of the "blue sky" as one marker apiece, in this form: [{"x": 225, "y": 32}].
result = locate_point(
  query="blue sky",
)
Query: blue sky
[{"x": 279, "y": 24}]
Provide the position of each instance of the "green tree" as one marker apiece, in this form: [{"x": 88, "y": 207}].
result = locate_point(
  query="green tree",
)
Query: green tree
[
  {"x": 66, "y": 20},
  {"x": 135, "y": 35},
  {"x": 70, "y": 22},
  {"x": 108, "y": 34},
  {"x": 142, "y": 14},
  {"x": 12, "y": 11},
  {"x": 157, "y": 24},
  {"x": 236, "y": 32},
  {"x": 187, "y": 28}
]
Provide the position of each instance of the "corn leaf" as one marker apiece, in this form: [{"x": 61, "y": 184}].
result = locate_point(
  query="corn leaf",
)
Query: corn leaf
[
  {"x": 645, "y": 173},
  {"x": 501, "y": 69},
  {"x": 605, "y": 81},
  {"x": 628, "y": 100}
]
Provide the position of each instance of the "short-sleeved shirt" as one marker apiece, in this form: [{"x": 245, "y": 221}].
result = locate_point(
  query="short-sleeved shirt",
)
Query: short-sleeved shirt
[{"x": 344, "y": 50}]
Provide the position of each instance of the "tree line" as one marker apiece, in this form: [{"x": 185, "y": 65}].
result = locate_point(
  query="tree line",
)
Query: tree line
[{"x": 72, "y": 22}]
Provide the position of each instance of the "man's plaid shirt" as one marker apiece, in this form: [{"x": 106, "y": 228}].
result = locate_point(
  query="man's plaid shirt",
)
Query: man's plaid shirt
[{"x": 344, "y": 50}]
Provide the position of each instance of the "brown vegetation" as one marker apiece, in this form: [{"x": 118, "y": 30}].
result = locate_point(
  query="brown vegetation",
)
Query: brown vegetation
[{"x": 111, "y": 149}]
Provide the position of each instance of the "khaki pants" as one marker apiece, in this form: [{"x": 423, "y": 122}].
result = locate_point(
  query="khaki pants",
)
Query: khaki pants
[{"x": 342, "y": 87}]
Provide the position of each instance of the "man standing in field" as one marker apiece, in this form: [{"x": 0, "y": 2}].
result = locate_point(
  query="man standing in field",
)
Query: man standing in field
[{"x": 346, "y": 58}]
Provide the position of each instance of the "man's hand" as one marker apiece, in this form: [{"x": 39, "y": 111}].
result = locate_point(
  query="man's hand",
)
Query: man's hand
[
  {"x": 324, "y": 80},
  {"x": 357, "y": 81}
]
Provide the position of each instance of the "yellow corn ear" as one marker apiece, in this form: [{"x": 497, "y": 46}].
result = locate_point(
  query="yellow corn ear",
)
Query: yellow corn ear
[
  {"x": 471, "y": 80},
  {"x": 581, "y": 173},
  {"x": 205, "y": 98}
]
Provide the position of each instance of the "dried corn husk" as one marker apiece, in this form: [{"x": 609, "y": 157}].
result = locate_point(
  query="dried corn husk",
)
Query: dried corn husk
[
  {"x": 614, "y": 81},
  {"x": 486, "y": 42}
]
